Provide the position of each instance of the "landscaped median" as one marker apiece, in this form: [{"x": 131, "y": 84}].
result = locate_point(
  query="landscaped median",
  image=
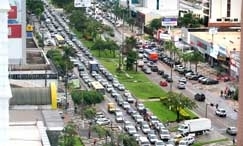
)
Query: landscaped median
[{"x": 139, "y": 85}]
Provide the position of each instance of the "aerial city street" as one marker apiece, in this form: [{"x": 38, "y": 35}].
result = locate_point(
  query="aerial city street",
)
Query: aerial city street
[{"x": 151, "y": 72}]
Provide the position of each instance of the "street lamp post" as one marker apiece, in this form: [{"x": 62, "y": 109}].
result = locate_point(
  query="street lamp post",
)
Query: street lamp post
[{"x": 206, "y": 110}]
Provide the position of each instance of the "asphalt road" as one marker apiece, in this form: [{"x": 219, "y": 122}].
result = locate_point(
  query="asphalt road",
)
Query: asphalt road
[{"x": 219, "y": 124}]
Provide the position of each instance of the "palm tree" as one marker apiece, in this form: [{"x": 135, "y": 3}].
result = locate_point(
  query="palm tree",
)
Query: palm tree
[
  {"x": 68, "y": 136},
  {"x": 195, "y": 58},
  {"x": 185, "y": 57},
  {"x": 177, "y": 102}
]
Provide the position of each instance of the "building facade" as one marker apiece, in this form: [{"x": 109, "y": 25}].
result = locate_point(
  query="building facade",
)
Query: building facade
[
  {"x": 224, "y": 13},
  {"x": 17, "y": 32}
]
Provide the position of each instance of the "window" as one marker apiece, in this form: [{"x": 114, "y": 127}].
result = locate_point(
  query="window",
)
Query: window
[
  {"x": 157, "y": 7},
  {"x": 228, "y": 7}
]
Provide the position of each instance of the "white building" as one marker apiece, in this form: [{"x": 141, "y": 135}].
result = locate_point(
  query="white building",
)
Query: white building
[{"x": 225, "y": 12}]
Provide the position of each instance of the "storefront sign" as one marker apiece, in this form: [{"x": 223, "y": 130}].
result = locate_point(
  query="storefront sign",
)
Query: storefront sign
[
  {"x": 201, "y": 45},
  {"x": 169, "y": 21}
]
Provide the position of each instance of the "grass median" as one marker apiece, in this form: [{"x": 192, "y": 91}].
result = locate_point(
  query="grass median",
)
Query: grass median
[{"x": 136, "y": 82}]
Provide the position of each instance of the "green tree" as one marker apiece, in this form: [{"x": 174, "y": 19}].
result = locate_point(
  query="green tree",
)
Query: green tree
[
  {"x": 131, "y": 22},
  {"x": 99, "y": 44},
  {"x": 86, "y": 98},
  {"x": 189, "y": 20},
  {"x": 61, "y": 3},
  {"x": 68, "y": 135},
  {"x": 177, "y": 102},
  {"x": 195, "y": 58},
  {"x": 185, "y": 57},
  {"x": 131, "y": 59},
  {"x": 155, "y": 24},
  {"x": 89, "y": 112},
  {"x": 129, "y": 44},
  {"x": 101, "y": 131},
  {"x": 35, "y": 6}
]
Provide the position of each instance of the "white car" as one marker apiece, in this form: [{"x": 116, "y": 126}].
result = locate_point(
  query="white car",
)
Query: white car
[
  {"x": 221, "y": 112},
  {"x": 183, "y": 143},
  {"x": 102, "y": 121},
  {"x": 181, "y": 85},
  {"x": 127, "y": 125},
  {"x": 165, "y": 134},
  {"x": 139, "y": 118},
  {"x": 131, "y": 130},
  {"x": 145, "y": 128},
  {"x": 183, "y": 80},
  {"x": 159, "y": 143},
  {"x": 190, "y": 139},
  {"x": 119, "y": 119},
  {"x": 152, "y": 138},
  {"x": 121, "y": 87},
  {"x": 125, "y": 105}
]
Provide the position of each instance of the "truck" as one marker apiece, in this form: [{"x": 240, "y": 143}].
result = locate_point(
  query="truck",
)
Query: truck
[
  {"x": 93, "y": 66},
  {"x": 153, "y": 56},
  {"x": 111, "y": 107},
  {"x": 197, "y": 126}
]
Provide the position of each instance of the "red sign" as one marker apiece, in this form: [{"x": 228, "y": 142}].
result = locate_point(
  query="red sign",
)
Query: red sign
[
  {"x": 14, "y": 31},
  {"x": 12, "y": 13}
]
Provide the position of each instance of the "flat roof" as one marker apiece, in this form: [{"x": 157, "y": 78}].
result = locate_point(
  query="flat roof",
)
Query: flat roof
[
  {"x": 24, "y": 135},
  {"x": 228, "y": 40}
]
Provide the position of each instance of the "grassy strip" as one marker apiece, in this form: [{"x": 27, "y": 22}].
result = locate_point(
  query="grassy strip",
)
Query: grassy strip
[
  {"x": 136, "y": 82},
  {"x": 161, "y": 111},
  {"x": 210, "y": 142}
]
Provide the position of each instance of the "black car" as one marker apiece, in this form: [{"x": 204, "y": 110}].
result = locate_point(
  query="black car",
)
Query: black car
[
  {"x": 160, "y": 72},
  {"x": 200, "y": 97},
  {"x": 154, "y": 68},
  {"x": 169, "y": 79},
  {"x": 165, "y": 76},
  {"x": 211, "y": 82}
]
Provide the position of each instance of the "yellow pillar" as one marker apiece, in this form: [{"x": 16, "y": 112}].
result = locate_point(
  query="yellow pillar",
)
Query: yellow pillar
[{"x": 53, "y": 95}]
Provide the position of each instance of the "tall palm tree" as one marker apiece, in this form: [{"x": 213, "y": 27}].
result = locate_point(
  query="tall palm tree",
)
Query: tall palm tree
[{"x": 195, "y": 58}]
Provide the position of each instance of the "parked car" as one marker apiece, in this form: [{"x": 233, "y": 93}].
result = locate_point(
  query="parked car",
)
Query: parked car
[
  {"x": 148, "y": 71},
  {"x": 160, "y": 72},
  {"x": 199, "y": 97},
  {"x": 221, "y": 112},
  {"x": 154, "y": 68},
  {"x": 181, "y": 85},
  {"x": 163, "y": 83},
  {"x": 183, "y": 80},
  {"x": 169, "y": 79},
  {"x": 231, "y": 130}
]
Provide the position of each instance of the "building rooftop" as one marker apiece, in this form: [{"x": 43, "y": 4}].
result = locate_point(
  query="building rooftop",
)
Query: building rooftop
[
  {"x": 228, "y": 40},
  {"x": 28, "y": 134}
]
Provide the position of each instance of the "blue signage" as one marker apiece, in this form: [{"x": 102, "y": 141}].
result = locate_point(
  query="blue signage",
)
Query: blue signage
[{"x": 169, "y": 21}]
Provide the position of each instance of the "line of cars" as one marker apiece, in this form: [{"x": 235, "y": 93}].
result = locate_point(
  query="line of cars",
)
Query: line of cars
[{"x": 155, "y": 129}]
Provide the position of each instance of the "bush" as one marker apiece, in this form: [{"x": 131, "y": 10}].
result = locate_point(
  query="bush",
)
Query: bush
[{"x": 184, "y": 115}]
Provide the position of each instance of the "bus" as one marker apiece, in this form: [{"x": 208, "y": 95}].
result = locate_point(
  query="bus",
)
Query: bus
[
  {"x": 98, "y": 87},
  {"x": 60, "y": 41}
]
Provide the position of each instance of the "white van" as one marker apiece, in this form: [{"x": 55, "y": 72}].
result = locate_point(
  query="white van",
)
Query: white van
[{"x": 143, "y": 141}]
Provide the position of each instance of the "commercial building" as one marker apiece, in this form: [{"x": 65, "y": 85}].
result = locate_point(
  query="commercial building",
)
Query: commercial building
[
  {"x": 144, "y": 11},
  {"x": 17, "y": 32},
  {"x": 220, "y": 49},
  {"x": 224, "y": 13}
]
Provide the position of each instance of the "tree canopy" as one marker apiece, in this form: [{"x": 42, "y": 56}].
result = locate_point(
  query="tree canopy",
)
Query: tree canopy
[
  {"x": 189, "y": 20},
  {"x": 35, "y": 6},
  {"x": 81, "y": 97},
  {"x": 155, "y": 24},
  {"x": 177, "y": 102}
]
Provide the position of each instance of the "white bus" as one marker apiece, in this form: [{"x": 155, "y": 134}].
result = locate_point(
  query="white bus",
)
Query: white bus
[
  {"x": 60, "y": 41},
  {"x": 98, "y": 87}
]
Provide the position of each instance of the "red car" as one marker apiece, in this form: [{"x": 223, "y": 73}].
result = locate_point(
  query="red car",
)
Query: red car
[{"x": 163, "y": 83}]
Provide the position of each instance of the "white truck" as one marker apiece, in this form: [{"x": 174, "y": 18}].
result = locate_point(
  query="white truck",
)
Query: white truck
[{"x": 197, "y": 126}]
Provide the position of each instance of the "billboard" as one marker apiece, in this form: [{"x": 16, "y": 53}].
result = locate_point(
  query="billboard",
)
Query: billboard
[
  {"x": 16, "y": 31},
  {"x": 169, "y": 21},
  {"x": 82, "y": 3}
]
